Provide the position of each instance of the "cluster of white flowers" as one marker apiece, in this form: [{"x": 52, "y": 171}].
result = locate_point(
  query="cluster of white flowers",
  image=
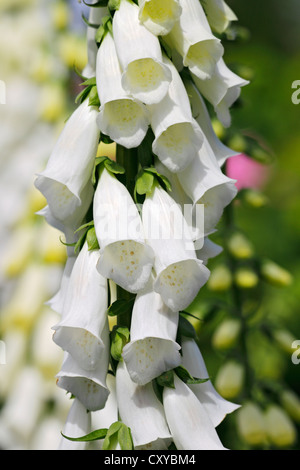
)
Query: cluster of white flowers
[{"x": 151, "y": 63}]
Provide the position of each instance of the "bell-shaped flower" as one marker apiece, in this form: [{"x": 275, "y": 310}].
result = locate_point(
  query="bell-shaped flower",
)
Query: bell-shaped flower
[
  {"x": 66, "y": 181},
  {"x": 179, "y": 274},
  {"x": 142, "y": 412},
  {"x": 121, "y": 117},
  {"x": 191, "y": 36},
  {"x": 78, "y": 424},
  {"x": 188, "y": 420},
  {"x": 219, "y": 15},
  {"x": 215, "y": 405},
  {"x": 96, "y": 14},
  {"x": 178, "y": 136},
  {"x": 84, "y": 311},
  {"x": 200, "y": 113},
  {"x": 152, "y": 349},
  {"x": 221, "y": 90},
  {"x": 206, "y": 184},
  {"x": 56, "y": 302},
  {"x": 145, "y": 76},
  {"x": 159, "y": 17},
  {"x": 88, "y": 386},
  {"x": 124, "y": 256}
]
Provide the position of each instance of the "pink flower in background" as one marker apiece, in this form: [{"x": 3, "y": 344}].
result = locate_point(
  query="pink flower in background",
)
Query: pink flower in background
[{"x": 248, "y": 172}]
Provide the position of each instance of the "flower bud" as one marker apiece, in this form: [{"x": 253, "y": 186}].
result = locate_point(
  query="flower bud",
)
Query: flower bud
[
  {"x": 226, "y": 334},
  {"x": 291, "y": 403},
  {"x": 246, "y": 278},
  {"x": 275, "y": 274},
  {"x": 280, "y": 428},
  {"x": 230, "y": 379},
  {"x": 220, "y": 279},
  {"x": 240, "y": 247},
  {"x": 251, "y": 424}
]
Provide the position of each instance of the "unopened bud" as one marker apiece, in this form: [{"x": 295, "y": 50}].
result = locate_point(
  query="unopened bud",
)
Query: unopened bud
[
  {"x": 280, "y": 428},
  {"x": 220, "y": 279},
  {"x": 291, "y": 403},
  {"x": 275, "y": 274},
  {"x": 251, "y": 424},
  {"x": 230, "y": 379},
  {"x": 226, "y": 334},
  {"x": 240, "y": 247},
  {"x": 246, "y": 278}
]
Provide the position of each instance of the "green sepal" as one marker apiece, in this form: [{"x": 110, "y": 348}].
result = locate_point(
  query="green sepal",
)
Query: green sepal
[
  {"x": 103, "y": 29},
  {"x": 110, "y": 165},
  {"x": 144, "y": 183},
  {"x": 114, "y": 5},
  {"x": 120, "y": 307},
  {"x": 90, "y": 91},
  {"x": 93, "y": 436},
  {"x": 118, "y": 433},
  {"x": 91, "y": 25},
  {"x": 185, "y": 328},
  {"x": 92, "y": 240},
  {"x": 166, "y": 379},
  {"x": 119, "y": 337},
  {"x": 187, "y": 378},
  {"x": 162, "y": 180}
]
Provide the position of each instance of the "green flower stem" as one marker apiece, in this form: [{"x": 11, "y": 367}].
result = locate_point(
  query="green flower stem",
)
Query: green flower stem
[{"x": 128, "y": 159}]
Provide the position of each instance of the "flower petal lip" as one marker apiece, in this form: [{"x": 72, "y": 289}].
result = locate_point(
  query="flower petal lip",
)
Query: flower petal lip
[
  {"x": 145, "y": 76},
  {"x": 81, "y": 335},
  {"x": 188, "y": 420},
  {"x": 152, "y": 349},
  {"x": 122, "y": 117},
  {"x": 141, "y": 411},
  {"x": 124, "y": 256},
  {"x": 159, "y": 17}
]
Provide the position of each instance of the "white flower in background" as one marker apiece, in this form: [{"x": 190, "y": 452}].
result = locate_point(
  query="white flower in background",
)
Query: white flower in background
[
  {"x": 88, "y": 386},
  {"x": 179, "y": 274},
  {"x": 56, "y": 302},
  {"x": 121, "y": 117},
  {"x": 78, "y": 424},
  {"x": 216, "y": 406},
  {"x": 67, "y": 178},
  {"x": 152, "y": 349},
  {"x": 192, "y": 38},
  {"x": 219, "y": 14},
  {"x": 84, "y": 312},
  {"x": 221, "y": 90},
  {"x": 96, "y": 15},
  {"x": 124, "y": 256},
  {"x": 145, "y": 76},
  {"x": 177, "y": 135},
  {"x": 142, "y": 412},
  {"x": 213, "y": 189},
  {"x": 188, "y": 420},
  {"x": 159, "y": 17},
  {"x": 200, "y": 113}
]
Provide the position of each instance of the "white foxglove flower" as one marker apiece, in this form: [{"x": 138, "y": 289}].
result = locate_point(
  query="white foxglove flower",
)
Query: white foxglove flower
[
  {"x": 145, "y": 76},
  {"x": 219, "y": 15},
  {"x": 124, "y": 256},
  {"x": 192, "y": 38},
  {"x": 159, "y": 17},
  {"x": 216, "y": 406},
  {"x": 88, "y": 386},
  {"x": 177, "y": 135},
  {"x": 188, "y": 420},
  {"x": 179, "y": 273},
  {"x": 200, "y": 113},
  {"x": 78, "y": 424},
  {"x": 84, "y": 311},
  {"x": 56, "y": 303},
  {"x": 152, "y": 349},
  {"x": 213, "y": 189},
  {"x": 142, "y": 412},
  {"x": 66, "y": 181},
  {"x": 208, "y": 250},
  {"x": 121, "y": 117},
  {"x": 221, "y": 90},
  {"x": 95, "y": 18}
]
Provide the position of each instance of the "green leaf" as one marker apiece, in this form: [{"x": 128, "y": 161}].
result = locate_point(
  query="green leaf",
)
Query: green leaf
[
  {"x": 93, "y": 436},
  {"x": 111, "y": 438},
  {"x": 166, "y": 379},
  {"x": 93, "y": 97},
  {"x": 144, "y": 183},
  {"x": 185, "y": 328},
  {"x": 114, "y": 167},
  {"x": 120, "y": 307},
  {"x": 92, "y": 240},
  {"x": 125, "y": 438},
  {"x": 119, "y": 337},
  {"x": 163, "y": 180},
  {"x": 187, "y": 378}
]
